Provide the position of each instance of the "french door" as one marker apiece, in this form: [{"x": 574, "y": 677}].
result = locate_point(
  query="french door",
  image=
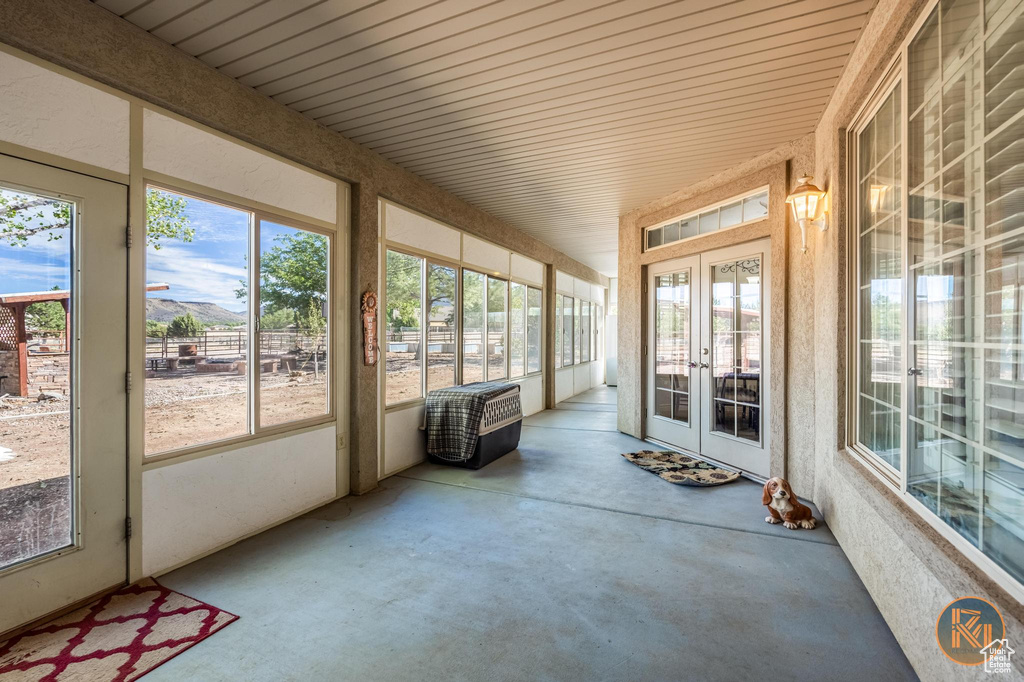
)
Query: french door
[
  {"x": 63, "y": 288},
  {"x": 708, "y": 328}
]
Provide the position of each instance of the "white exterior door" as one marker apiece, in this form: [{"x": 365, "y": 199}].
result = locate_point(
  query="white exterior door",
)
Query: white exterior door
[
  {"x": 707, "y": 389},
  {"x": 63, "y": 320},
  {"x": 672, "y": 347}
]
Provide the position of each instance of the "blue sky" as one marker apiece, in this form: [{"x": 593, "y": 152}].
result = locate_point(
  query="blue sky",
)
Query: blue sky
[
  {"x": 206, "y": 269},
  {"x": 38, "y": 266}
]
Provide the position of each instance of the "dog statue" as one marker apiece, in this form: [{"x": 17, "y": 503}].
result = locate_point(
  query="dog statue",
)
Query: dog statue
[{"x": 783, "y": 507}]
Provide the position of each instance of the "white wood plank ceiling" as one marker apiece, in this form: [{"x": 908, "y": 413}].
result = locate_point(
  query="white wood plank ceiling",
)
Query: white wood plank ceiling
[{"x": 554, "y": 115}]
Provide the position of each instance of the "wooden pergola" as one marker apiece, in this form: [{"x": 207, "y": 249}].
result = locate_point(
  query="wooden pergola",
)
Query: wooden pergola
[{"x": 17, "y": 303}]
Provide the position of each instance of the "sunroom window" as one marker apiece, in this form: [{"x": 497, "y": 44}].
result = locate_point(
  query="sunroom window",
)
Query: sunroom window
[{"x": 941, "y": 329}]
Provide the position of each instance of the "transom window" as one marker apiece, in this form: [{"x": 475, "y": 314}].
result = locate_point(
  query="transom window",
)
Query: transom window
[{"x": 732, "y": 213}]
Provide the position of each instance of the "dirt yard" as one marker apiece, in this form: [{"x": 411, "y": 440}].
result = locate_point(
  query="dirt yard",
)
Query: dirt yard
[{"x": 182, "y": 409}]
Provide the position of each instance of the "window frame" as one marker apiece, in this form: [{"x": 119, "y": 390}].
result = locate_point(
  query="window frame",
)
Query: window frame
[
  {"x": 894, "y": 79},
  {"x": 540, "y": 293},
  {"x": 696, "y": 214},
  {"x": 427, "y": 260},
  {"x": 487, "y": 325},
  {"x": 440, "y": 262},
  {"x": 255, "y": 432},
  {"x": 526, "y": 329},
  {"x": 898, "y": 69}
]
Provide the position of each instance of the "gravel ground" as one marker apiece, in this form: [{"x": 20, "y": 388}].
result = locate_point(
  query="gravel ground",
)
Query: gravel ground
[{"x": 182, "y": 409}]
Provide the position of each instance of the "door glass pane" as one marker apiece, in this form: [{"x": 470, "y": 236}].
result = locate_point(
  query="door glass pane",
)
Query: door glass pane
[
  {"x": 197, "y": 321},
  {"x": 558, "y": 330},
  {"x": 672, "y": 307},
  {"x": 517, "y": 329},
  {"x": 497, "y": 323},
  {"x": 403, "y": 296},
  {"x": 293, "y": 352},
  {"x": 881, "y": 282},
  {"x": 36, "y": 236},
  {"x": 473, "y": 291},
  {"x": 441, "y": 339},
  {"x": 736, "y": 348},
  {"x": 533, "y": 330},
  {"x": 966, "y": 392}
]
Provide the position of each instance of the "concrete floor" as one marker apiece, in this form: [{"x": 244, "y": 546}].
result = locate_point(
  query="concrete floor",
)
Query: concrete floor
[{"x": 560, "y": 561}]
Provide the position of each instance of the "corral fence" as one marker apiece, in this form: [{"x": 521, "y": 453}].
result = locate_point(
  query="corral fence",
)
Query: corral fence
[{"x": 234, "y": 343}]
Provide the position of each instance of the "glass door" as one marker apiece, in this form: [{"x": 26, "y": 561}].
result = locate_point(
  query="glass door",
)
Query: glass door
[
  {"x": 672, "y": 416},
  {"x": 63, "y": 354},
  {"x": 734, "y": 330}
]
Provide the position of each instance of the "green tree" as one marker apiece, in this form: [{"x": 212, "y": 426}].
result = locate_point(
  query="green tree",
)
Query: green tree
[
  {"x": 292, "y": 273},
  {"x": 314, "y": 323},
  {"x": 184, "y": 326},
  {"x": 278, "y": 319},
  {"x": 22, "y": 217},
  {"x": 46, "y": 316},
  {"x": 155, "y": 330}
]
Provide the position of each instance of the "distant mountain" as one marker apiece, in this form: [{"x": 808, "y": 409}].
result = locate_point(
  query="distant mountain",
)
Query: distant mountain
[{"x": 164, "y": 310}]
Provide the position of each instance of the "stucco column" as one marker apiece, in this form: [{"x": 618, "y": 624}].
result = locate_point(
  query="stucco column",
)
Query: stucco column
[{"x": 364, "y": 403}]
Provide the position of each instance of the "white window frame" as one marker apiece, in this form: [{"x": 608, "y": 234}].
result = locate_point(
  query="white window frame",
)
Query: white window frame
[
  {"x": 706, "y": 209},
  {"x": 253, "y": 428},
  {"x": 897, "y": 484}
]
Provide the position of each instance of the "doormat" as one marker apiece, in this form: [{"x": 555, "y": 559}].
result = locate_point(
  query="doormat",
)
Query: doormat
[
  {"x": 121, "y": 637},
  {"x": 680, "y": 469}
]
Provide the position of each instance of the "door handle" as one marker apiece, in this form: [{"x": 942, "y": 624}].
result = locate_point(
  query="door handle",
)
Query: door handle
[
  {"x": 692, "y": 364},
  {"x": 915, "y": 372},
  {"x": 704, "y": 365}
]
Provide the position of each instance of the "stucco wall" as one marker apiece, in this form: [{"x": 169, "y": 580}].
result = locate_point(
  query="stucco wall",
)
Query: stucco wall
[
  {"x": 791, "y": 281},
  {"x": 89, "y": 40},
  {"x": 911, "y": 570}
]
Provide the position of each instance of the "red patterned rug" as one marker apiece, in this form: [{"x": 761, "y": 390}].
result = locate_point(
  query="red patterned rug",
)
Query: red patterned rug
[{"x": 120, "y": 637}]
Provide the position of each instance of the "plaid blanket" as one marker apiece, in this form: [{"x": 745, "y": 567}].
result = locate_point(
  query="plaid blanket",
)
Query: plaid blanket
[{"x": 453, "y": 417}]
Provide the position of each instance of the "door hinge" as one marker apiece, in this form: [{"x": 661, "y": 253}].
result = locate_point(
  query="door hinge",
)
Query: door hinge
[
  {"x": 645, "y": 350},
  {"x": 645, "y": 413},
  {"x": 128, "y": 236},
  {"x": 128, "y": 382},
  {"x": 127, "y": 528}
]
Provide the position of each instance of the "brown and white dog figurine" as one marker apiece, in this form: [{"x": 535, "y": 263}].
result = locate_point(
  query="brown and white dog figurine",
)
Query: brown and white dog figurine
[{"x": 783, "y": 507}]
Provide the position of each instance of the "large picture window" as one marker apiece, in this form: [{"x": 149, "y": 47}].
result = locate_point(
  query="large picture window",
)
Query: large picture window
[
  {"x": 442, "y": 283},
  {"x": 585, "y": 330},
  {"x": 559, "y": 303},
  {"x": 567, "y": 334},
  {"x": 474, "y": 296},
  {"x": 205, "y": 365},
  {"x": 517, "y": 329},
  {"x": 497, "y": 316},
  {"x": 534, "y": 325},
  {"x": 576, "y": 336},
  {"x": 940, "y": 337},
  {"x": 403, "y": 340}
]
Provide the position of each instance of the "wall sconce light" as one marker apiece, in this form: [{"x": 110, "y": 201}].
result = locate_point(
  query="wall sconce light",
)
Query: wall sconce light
[
  {"x": 877, "y": 196},
  {"x": 810, "y": 206}
]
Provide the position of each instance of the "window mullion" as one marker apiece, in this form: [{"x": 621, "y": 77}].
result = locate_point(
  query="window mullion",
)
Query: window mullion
[{"x": 253, "y": 366}]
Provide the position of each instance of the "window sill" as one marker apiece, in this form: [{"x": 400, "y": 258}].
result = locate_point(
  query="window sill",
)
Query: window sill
[{"x": 219, "y": 447}]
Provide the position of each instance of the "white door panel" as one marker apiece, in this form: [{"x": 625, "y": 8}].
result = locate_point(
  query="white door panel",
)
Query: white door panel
[{"x": 63, "y": 538}]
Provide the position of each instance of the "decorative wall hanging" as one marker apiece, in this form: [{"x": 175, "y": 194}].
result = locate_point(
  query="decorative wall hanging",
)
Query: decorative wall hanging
[{"x": 371, "y": 352}]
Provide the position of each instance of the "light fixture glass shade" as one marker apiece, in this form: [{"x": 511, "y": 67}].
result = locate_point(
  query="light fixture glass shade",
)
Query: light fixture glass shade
[
  {"x": 807, "y": 201},
  {"x": 877, "y": 197}
]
